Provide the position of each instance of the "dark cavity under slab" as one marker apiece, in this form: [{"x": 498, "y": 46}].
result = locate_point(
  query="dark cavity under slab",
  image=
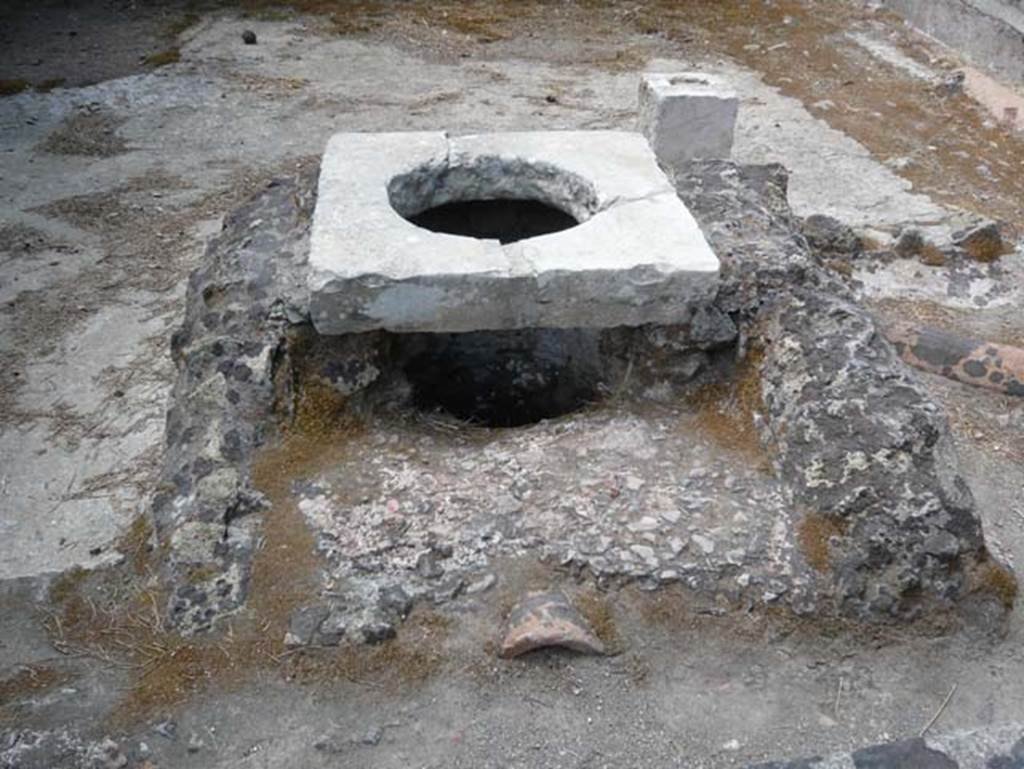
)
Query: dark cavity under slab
[{"x": 505, "y": 379}]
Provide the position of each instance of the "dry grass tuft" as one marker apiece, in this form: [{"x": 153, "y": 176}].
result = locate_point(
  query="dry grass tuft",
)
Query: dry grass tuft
[
  {"x": 931, "y": 255},
  {"x": 13, "y": 86},
  {"x": 284, "y": 571},
  {"x": 66, "y": 586},
  {"x": 995, "y": 579},
  {"x": 135, "y": 544},
  {"x": 270, "y": 14},
  {"x": 485, "y": 22},
  {"x": 813, "y": 533},
  {"x": 666, "y": 607},
  {"x": 595, "y": 609},
  {"x": 987, "y": 249},
  {"x": 321, "y": 411},
  {"x": 163, "y": 58},
  {"x": 124, "y": 628},
  {"x": 412, "y": 658},
  {"x": 30, "y": 680},
  {"x": 725, "y": 410},
  {"x": 49, "y": 84},
  {"x": 127, "y": 630},
  {"x": 344, "y": 17}
]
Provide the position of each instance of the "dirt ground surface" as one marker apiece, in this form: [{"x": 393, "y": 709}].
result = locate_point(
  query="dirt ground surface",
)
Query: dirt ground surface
[{"x": 127, "y": 131}]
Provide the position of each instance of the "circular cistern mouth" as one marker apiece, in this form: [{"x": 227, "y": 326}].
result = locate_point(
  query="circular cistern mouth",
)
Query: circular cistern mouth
[{"x": 493, "y": 198}]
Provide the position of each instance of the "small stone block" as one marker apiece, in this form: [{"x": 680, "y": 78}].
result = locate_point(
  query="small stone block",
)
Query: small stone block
[{"x": 687, "y": 115}]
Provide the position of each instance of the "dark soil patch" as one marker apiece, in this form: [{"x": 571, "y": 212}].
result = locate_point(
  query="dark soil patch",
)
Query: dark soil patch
[{"x": 43, "y": 42}]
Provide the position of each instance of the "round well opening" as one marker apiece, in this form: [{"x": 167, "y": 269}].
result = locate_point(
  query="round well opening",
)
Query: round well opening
[
  {"x": 494, "y": 198},
  {"x": 503, "y": 220}
]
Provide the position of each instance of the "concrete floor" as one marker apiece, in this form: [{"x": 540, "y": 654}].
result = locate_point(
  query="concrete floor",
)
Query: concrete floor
[{"x": 108, "y": 191}]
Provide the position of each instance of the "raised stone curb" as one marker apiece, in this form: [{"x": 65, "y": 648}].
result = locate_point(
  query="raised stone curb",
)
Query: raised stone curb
[
  {"x": 241, "y": 301},
  {"x": 866, "y": 455},
  {"x": 868, "y": 458}
]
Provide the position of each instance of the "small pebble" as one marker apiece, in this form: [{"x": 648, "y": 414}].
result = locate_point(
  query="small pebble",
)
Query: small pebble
[
  {"x": 706, "y": 545},
  {"x": 327, "y": 744},
  {"x": 482, "y": 585},
  {"x": 671, "y": 515},
  {"x": 166, "y": 729},
  {"x": 647, "y": 523},
  {"x": 644, "y": 552}
]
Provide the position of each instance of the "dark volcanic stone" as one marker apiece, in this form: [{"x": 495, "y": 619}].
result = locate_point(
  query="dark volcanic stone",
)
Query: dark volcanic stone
[
  {"x": 304, "y": 624},
  {"x": 224, "y": 396},
  {"x": 378, "y": 631},
  {"x": 858, "y": 440},
  {"x": 853, "y": 435},
  {"x": 831, "y": 238},
  {"x": 908, "y": 754},
  {"x": 1015, "y": 759}
]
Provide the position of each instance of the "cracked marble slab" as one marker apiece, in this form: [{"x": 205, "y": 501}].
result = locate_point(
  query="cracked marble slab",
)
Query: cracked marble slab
[{"x": 636, "y": 256}]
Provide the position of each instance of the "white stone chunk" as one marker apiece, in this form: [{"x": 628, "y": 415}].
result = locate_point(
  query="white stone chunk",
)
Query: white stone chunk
[
  {"x": 687, "y": 115},
  {"x": 636, "y": 257}
]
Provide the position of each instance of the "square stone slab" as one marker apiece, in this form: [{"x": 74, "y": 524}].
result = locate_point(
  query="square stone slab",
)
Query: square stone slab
[{"x": 637, "y": 255}]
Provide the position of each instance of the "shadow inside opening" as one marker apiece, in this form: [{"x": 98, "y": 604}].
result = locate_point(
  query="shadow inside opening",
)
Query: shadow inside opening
[
  {"x": 504, "y": 220},
  {"x": 505, "y": 379}
]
